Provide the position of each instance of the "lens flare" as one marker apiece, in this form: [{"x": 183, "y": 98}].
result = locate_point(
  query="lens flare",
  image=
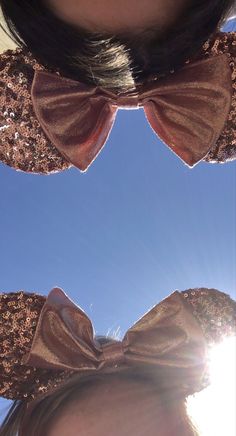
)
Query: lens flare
[{"x": 214, "y": 409}]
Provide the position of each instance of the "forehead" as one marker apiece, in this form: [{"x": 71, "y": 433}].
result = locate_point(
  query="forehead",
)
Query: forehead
[
  {"x": 117, "y": 15},
  {"x": 114, "y": 408}
]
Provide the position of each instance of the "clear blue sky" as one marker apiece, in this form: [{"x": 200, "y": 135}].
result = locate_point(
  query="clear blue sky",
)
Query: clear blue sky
[{"x": 137, "y": 226}]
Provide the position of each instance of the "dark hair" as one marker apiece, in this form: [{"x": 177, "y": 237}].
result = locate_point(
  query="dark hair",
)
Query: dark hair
[
  {"x": 45, "y": 412},
  {"x": 111, "y": 61}
]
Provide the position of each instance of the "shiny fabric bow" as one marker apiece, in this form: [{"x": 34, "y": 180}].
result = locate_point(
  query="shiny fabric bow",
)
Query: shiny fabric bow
[
  {"x": 187, "y": 110},
  {"x": 167, "y": 337}
]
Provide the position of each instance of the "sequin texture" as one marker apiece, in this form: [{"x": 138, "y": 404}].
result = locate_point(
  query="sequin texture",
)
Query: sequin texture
[
  {"x": 23, "y": 144},
  {"x": 19, "y": 313},
  {"x": 215, "y": 312},
  {"x": 225, "y": 148}
]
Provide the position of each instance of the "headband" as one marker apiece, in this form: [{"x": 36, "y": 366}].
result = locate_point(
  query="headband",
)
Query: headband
[
  {"x": 45, "y": 341},
  {"x": 49, "y": 123}
]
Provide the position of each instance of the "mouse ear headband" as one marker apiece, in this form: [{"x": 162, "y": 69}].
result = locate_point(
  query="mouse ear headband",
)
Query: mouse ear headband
[
  {"x": 50, "y": 122},
  {"x": 45, "y": 341}
]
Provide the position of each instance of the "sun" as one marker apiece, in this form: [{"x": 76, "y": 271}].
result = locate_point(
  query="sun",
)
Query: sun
[{"x": 214, "y": 409}]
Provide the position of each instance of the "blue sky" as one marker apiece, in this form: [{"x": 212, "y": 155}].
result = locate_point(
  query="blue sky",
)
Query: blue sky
[{"x": 137, "y": 226}]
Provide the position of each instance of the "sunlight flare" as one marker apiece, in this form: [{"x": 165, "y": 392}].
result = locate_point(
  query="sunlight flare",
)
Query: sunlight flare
[{"x": 213, "y": 410}]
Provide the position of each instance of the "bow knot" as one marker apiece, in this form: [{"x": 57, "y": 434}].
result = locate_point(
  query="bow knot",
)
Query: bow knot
[
  {"x": 113, "y": 353},
  {"x": 129, "y": 101}
]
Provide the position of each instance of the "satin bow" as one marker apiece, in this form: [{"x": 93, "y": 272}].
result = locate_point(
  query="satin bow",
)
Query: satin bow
[
  {"x": 168, "y": 336},
  {"x": 187, "y": 110}
]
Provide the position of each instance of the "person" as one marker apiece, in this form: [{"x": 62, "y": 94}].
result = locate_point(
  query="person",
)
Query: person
[
  {"x": 66, "y": 381},
  {"x": 105, "y": 42},
  {"x": 58, "y": 105}
]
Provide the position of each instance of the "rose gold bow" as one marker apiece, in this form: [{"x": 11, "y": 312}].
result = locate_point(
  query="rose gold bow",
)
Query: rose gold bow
[
  {"x": 187, "y": 110},
  {"x": 168, "y": 336}
]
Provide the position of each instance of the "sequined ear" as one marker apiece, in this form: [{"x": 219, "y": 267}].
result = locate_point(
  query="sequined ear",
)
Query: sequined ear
[
  {"x": 19, "y": 313},
  {"x": 24, "y": 145},
  {"x": 215, "y": 312},
  {"x": 225, "y": 148}
]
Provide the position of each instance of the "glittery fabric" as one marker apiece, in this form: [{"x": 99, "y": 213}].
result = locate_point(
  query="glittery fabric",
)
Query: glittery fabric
[
  {"x": 215, "y": 311},
  {"x": 19, "y": 314},
  {"x": 23, "y": 144},
  {"x": 225, "y": 148},
  {"x": 25, "y": 147}
]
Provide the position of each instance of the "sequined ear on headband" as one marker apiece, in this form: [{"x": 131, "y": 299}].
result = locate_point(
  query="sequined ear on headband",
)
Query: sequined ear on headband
[
  {"x": 45, "y": 341},
  {"x": 192, "y": 110}
]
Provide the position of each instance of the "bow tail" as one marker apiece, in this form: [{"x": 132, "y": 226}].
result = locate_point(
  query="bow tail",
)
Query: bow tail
[
  {"x": 187, "y": 134},
  {"x": 168, "y": 340},
  {"x": 82, "y": 154},
  {"x": 76, "y": 118},
  {"x": 79, "y": 144},
  {"x": 190, "y": 109}
]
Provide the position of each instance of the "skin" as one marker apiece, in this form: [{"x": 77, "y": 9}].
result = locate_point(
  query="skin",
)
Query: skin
[
  {"x": 116, "y": 408},
  {"x": 116, "y": 16}
]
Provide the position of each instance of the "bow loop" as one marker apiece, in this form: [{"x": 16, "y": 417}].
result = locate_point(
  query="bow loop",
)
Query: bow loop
[
  {"x": 188, "y": 109},
  {"x": 64, "y": 337},
  {"x": 76, "y": 118},
  {"x": 168, "y": 335}
]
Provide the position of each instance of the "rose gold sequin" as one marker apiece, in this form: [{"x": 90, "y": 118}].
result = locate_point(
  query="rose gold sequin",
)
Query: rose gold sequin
[
  {"x": 25, "y": 147},
  {"x": 215, "y": 311},
  {"x": 17, "y": 381},
  {"x": 225, "y": 148},
  {"x": 216, "y": 314},
  {"x": 23, "y": 144}
]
